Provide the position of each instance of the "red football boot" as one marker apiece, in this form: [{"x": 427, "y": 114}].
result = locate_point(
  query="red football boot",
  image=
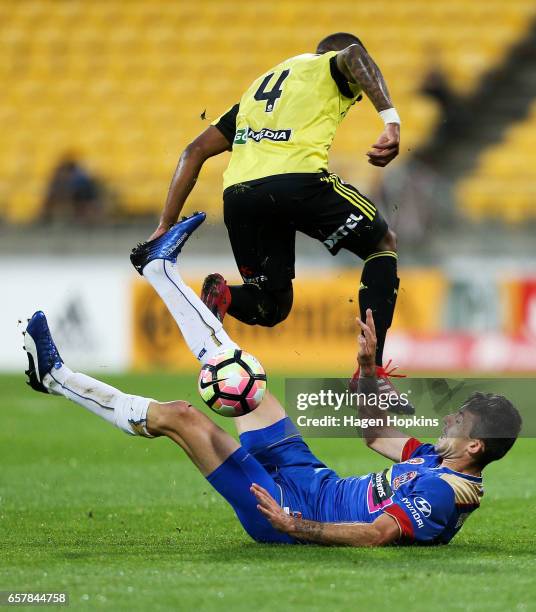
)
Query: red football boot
[{"x": 216, "y": 295}]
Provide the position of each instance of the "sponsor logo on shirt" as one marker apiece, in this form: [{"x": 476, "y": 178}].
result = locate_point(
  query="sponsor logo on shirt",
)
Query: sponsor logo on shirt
[
  {"x": 403, "y": 478},
  {"x": 243, "y": 134},
  {"x": 421, "y": 506},
  {"x": 415, "y": 461},
  {"x": 379, "y": 492}
]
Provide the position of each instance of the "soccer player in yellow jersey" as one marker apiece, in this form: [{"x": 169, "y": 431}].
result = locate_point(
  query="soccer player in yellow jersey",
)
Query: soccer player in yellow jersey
[{"x": 277, "y": 183}]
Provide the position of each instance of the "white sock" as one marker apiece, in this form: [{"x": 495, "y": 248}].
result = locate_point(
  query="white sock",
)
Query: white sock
[
  {"x": 127, "y": 412},
  {"x": 203, "y": 332}
]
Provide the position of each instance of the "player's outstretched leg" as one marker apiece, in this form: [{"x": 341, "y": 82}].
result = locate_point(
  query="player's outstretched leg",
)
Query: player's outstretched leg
[
  {"x": 228, "y": 467},
  {"x": 156, "y": 261},
  {"x": 47, "y": 373}
]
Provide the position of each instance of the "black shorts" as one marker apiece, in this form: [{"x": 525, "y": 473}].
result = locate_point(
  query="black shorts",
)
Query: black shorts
[{"x": 262, "y": 218}]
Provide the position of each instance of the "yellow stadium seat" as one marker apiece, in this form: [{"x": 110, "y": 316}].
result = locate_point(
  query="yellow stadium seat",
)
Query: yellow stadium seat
[{"x": 507, "y": 168}]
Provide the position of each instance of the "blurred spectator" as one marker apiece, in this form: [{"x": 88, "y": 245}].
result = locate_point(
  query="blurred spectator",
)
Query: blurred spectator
[
  {"x": 414, "y": 198},
  {"x": 454, "y": 115},
  {"x": 72, "y": 195}
]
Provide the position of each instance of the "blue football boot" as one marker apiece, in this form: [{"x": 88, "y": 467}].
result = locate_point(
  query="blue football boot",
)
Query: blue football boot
[
  {"x": 43, "y": 355},
  {"x": 168, "y": 245}
]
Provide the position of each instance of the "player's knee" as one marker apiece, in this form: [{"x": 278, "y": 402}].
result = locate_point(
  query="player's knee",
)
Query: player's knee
[
  {"x": 280, "y": 305},
  {"x": 388, "y": 242},
  {"x": 164, "y": 417}
]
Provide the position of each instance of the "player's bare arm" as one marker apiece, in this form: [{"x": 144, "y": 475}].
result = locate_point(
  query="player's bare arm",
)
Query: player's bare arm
[
  {"x": 209, "y": 143},
  {"x": 386, "y": 440},
  {"x": 358, "y": 67},
  {"x": 384, "y": 530}
]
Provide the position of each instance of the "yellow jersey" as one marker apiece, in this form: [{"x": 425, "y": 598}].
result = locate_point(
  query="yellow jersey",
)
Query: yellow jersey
[{"x": 287, "y": 119}]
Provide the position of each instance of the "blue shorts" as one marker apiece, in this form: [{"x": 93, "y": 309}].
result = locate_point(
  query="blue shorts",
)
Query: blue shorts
[{"x": 278, "y": 459}]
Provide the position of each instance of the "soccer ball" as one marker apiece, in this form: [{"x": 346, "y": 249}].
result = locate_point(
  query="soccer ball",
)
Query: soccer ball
[{"x": 232, "y": 383}]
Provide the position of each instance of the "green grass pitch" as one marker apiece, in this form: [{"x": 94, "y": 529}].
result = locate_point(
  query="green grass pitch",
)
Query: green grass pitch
[{"x": 128, "y": 523}]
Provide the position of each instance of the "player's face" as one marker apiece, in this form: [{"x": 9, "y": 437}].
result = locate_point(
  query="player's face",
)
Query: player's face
[{"x": 456, "y": 433}]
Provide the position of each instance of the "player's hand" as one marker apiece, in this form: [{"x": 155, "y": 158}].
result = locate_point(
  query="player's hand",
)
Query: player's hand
[
  {"x": 161, "y": 229},
  {"x": 386, "y": 148},
  {"x": 367, "y": 345},
  {"x": 267, "y": 505}
]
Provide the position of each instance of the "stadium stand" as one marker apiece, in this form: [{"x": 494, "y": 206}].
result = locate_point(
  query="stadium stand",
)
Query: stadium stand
[
  {"x": 502, "y": 187},
  {"x": 123, "y": 85}
]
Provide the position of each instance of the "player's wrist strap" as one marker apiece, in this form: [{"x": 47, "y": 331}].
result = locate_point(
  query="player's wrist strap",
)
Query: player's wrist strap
[{"x": 389, "y": 115}]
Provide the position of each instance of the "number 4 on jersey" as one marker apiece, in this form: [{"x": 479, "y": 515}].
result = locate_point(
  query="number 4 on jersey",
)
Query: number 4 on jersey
[{"x": 271, "y": 96}]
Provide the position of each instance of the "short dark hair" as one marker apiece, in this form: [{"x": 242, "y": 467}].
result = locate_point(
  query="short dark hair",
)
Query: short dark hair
[
  {"x": 498, "y": 424},
  {"x": 337, "y": 42}
]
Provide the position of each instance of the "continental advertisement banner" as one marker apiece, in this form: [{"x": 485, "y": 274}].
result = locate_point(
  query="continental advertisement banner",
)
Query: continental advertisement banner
[{"x": 319, "y": 335}]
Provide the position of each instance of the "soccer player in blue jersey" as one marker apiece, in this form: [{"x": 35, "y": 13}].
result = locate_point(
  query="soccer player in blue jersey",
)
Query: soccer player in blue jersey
[{"x": 280, "y": 491}]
